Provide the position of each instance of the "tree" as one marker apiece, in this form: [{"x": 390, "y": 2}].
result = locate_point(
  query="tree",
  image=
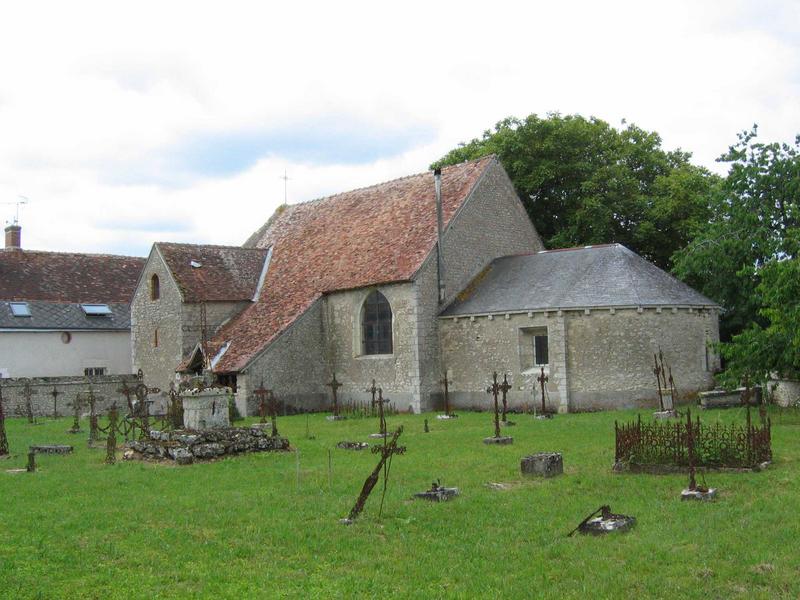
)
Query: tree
[
  {"x": 585, "y": 182},
  {"x": 751, "y": 212}
]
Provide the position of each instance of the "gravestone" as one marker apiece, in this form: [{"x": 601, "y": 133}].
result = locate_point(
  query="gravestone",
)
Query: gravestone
[
  {"x": 603, "y": 521},
  {"x": 437, "y": 493},
  {"x": 543, "y": 464}
]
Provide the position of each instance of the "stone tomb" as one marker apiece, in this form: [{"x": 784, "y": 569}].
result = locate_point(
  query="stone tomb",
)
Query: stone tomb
[
  {"x": 704, "y": 494},
  {"x": 502, "y": 440},
  {"x": 206, "y": 408},
  {"x": 437, "y": 493},
  {"x": 352, "y": 445},
  {"x": 543, "y": 464},
  {"x": 187, "y": 446}
]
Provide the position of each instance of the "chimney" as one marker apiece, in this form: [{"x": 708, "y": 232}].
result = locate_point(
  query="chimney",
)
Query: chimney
[
  {"x": 13, "y": 237},
  {"x": 437, "y": 178}
]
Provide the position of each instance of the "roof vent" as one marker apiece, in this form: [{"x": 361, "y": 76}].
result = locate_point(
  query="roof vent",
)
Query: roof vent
[{"x": 195, "y": 264}]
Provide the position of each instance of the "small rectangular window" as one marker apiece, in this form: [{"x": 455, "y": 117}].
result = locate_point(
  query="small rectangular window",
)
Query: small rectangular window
[
  {"x": 94, "y": 371},
  {"x": 20, "y": 309},
  {"x": 540, "y": 352},
  {"x": 96, "y": 310}
]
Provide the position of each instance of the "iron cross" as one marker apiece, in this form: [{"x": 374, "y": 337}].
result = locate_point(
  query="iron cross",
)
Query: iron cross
[
  {"x": 504, "y": 387},
  {"x": 55, "y": 394},
  {"x": 335, "y": 385},
  {"x": 446, "y": 383},
  {"x": 29, "y": 392},
  {"x": 127, "y": 392},
  {"x": 380, "y": 402},
  {"x": 372, "y": 389},
  {"x": 3, "y": 438},
  {"x": 543, "y": 379},
  {"x": 262, "y": 393},
  {"x": 494, "y": 389}
]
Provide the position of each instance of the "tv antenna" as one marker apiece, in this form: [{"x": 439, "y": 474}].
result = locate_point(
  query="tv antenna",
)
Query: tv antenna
[{"x": 21, "y": 200}]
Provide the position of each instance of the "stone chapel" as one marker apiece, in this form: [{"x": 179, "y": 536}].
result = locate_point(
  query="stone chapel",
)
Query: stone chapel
[{"x": 409, "y": 280}]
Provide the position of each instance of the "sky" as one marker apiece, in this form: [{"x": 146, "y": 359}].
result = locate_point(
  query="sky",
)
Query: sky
[{"x": 126, "y": 123}]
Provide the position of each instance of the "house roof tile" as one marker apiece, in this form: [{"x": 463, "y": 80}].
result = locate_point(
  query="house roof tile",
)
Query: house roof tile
[
  {"x": 206, "y": 273},
  {"x": 369, "y": 236}
]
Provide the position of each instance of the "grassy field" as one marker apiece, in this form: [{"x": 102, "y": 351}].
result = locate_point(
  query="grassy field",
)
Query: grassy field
[{"x": 248, "y": 527}]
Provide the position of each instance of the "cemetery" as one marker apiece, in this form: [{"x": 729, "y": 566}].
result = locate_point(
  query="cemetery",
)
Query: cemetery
[{"x": 198, "y": 490}]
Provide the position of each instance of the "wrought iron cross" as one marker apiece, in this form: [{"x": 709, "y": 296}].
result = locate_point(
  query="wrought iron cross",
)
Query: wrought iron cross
[
  {"x": 55, "y": 394},
  {"x": 111, "y": 440},
  {"x": 76, "y": 413},
  {"x": 380, "y": 402},
  {"x": 3, "y": 437},
  {"x": 658, "y": 372},
  {"x": 446, "y": 383},
  {"x": 127, "y": 392},
  {"x": 505, "y": 387},
  {"x": 28, "y": 392},
  {"x": 272, "y": 403},
  {"x": 92, "y": 399},
  {"x": 335, "y": 385},
  {"x": 373, "y": 390},
  {"x": 542, "y": 379},
  {"x": 494, "y": 389},
  {"x": 261, "y": 393}
]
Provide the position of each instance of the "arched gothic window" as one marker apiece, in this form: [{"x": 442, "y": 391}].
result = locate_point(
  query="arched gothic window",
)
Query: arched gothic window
[
  {"x": 155, "y": 288},
  {"x": 376, "y": 325}
]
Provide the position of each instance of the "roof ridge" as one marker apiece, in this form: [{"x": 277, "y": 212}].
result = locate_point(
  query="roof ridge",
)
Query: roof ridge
[
  {"x": 61, "y": 253},
  {"x": 219, "y": 246},
  {"x": 388, "y": 181}
]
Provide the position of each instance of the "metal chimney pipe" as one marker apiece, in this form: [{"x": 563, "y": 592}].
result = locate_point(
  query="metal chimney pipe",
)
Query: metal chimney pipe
[{"x": 437, "y": 178}]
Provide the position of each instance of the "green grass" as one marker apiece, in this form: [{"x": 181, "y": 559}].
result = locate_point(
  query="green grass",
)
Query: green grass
[{"x": 244, "y": 528}]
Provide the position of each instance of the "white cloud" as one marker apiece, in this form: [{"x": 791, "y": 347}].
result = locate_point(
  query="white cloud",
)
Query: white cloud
[{"x": 93, "y": 95}]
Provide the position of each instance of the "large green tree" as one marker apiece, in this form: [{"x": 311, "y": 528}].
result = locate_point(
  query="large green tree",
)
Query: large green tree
[
  {"x": 583, "y": 182},
  {"x": 746, "y": 258}
]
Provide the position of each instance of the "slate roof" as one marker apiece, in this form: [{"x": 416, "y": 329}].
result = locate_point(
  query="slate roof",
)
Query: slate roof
[
  {"x": 65, "y": 316},
  {"x": 68, "y": 277},
  {"x": 594, "y": 276},
  {"x": 373, "y": 235},
  {"x": 226, "y": 273}
]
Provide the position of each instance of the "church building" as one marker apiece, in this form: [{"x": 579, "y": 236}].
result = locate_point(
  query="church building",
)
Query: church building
[{"x": 409, "y": 280}]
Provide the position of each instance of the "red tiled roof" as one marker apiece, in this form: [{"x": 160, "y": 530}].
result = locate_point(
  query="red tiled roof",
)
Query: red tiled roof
[
  {"x": 226, "y": 273},
  {"x": 368, "y": 236},
  {"x": 68, "y": 277}
]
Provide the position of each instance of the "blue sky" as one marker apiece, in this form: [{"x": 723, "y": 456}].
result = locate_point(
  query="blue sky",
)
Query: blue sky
[{"x": 127, "y": 123}]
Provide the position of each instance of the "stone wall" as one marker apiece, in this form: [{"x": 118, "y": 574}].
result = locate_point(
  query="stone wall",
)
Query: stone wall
[
  {"x": 293, "y": 366},
  {"x": 599, "y": 360},
  {"x": 217, "y": 313},
  {"x": 157, "y": 363},
  {"x": 396, "y": 373},
  {"x": 69, "y": 388}
]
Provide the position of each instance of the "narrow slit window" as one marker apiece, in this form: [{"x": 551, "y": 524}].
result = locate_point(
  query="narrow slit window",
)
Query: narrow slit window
[
  {"x": 540, "y": 350},
  {"x": 155, "y": 338},
  {"x": 155, "y": 288}
]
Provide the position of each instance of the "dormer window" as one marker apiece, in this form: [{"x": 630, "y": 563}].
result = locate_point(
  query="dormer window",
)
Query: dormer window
[
  {"x": 96, "y": 310},
  {"x": 155, "y": 288},
  {"x": 20, "y": 309},
  {"x": 196, "y": 264}
]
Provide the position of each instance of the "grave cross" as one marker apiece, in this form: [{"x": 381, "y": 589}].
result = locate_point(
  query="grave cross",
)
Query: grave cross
[
  {"x": 387, "y": 451},
  {"x": 77, "y": 404},
  {"x": 372, "y": 389},
  {"x": 542, "y": 379},
  {"x": 29, "y": 392},
  {"x": 127, "y": 392},
  {"x": 494, "y": 389},
  {"x": 380, "y": 402},
  {"x": 55, "y": 394},
  {"x": 3, "y": 437},
  {"x": 262, "y": 393},
  {"x": 446, "y": 383},
  {"x": 690, "y": 450},
  {"x": 335, "y": 385},
  {"x": 111, "y": 440},
  {"x": 272, "y": 404},
  {"x": 143, "y": 406},
  {"x": 504, "y": 387},
  {"x": 93, "y": 426}
]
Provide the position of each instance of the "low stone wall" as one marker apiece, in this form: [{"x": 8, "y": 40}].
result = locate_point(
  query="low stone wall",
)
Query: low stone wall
[
  {"x": 187, "y": 446},
  {"x": 68, "y": 388}
]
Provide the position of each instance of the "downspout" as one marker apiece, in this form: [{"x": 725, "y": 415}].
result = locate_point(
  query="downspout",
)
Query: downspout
[{"x": 437, "y": 178}]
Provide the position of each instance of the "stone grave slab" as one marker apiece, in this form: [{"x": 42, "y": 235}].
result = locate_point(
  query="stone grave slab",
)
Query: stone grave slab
[
  {"x": 51, "y": 449},
  {"x": 661, "y": 415},
  {"x": 502, "y": 440},
  {"x": 698, "y": 494},
  {"x": 446, "y": 417},
  {"x": 543, "y": 464},
  {"x": 437, "y": 493},
  {"x": 352, "y": 445},
  {"x": 335, "y": 418}
]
